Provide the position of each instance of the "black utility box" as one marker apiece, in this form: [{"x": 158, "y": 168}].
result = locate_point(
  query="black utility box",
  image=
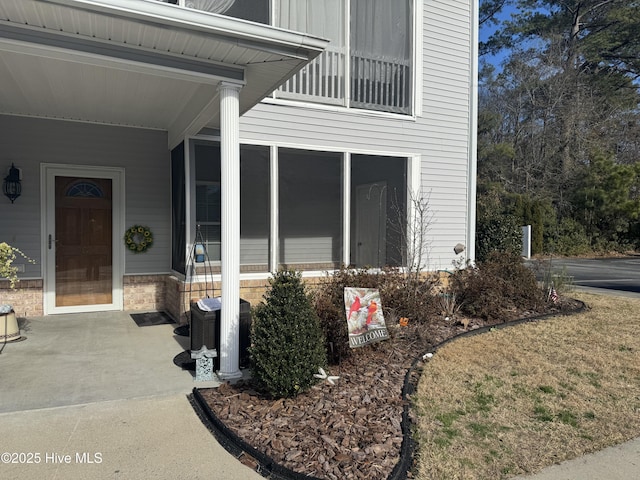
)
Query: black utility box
[{"x": 205, "y": 330}]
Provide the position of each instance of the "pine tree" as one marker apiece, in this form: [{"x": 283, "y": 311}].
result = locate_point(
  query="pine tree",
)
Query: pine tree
[{"x": 286, "y": 338}]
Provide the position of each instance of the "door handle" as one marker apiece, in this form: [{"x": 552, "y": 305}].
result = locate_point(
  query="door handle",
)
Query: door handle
[{"x": 49, "y": 241}]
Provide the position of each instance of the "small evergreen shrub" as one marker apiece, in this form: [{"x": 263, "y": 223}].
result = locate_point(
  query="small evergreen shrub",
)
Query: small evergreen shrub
[
  {"x": 570, "y": 239},
  {"x": 287, "y": 343},
  {"x": 497, "y": 232},
  {"x": 497, "y": 287}
]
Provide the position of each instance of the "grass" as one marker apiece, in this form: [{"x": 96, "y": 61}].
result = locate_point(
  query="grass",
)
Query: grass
[{"x": 513, "y": 401}]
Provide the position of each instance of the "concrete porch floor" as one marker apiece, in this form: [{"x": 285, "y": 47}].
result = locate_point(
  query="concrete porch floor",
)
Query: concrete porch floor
[
  {"x": 90, "y": 357},
  {"x": 97, "y": 384}
]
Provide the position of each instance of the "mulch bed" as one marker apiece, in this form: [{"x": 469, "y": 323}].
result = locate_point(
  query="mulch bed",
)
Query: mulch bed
[{"x": 358, "y": 428}]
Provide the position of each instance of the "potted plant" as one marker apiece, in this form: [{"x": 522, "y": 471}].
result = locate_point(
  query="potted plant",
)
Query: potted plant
[{"x": 9, "y": 329}]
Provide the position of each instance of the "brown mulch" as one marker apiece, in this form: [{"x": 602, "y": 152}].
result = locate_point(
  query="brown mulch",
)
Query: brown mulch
[{"x": 350, "y": 430}]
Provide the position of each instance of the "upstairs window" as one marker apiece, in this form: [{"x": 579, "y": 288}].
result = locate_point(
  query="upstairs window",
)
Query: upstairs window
[
  {"x": 367, "y": 65},
  {"x": 323, "y": 80},
  {"x": 374, "y": 47},
  {"x": 380, "y": 44}
]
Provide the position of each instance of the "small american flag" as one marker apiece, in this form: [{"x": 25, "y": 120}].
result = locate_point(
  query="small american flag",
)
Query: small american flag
[{"x": 553, "y": 295}]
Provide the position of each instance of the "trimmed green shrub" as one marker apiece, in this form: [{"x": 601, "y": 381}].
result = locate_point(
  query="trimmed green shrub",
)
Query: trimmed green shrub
[
  {"x": 497, "y": 233},
  {"x": 287, "y": 343}
]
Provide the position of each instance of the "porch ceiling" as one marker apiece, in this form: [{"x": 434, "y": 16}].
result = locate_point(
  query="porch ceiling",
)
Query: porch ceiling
[{"x": 140, "y": 63}]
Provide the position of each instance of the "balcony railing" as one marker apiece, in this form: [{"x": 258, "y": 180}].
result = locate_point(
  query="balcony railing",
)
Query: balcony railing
[
  {"x": 376, "y": 83},
  {"x": 380, "y": 83},
  {"x": 322, "y": 80}
]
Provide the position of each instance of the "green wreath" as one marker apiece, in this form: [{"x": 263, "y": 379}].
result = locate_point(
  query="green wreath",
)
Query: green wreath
[{"x": 138, "y": 239}]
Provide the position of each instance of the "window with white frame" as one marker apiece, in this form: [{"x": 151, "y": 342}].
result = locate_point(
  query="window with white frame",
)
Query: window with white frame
[
  {"x": 309, "y": 209},
  {"x": 311, "y": 206},
  {"x": 368, "y": 63},
  {"x": 254, "y": 203},
  {"x": 378, "y": 210}
]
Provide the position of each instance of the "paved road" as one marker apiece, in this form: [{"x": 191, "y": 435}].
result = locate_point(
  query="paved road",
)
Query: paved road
[{"x": 620, "y": 274}]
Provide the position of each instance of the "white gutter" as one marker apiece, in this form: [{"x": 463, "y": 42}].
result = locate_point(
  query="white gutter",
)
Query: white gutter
[
  {"x": 233, "y": 30},
  {"x": 473, "y": 136}
]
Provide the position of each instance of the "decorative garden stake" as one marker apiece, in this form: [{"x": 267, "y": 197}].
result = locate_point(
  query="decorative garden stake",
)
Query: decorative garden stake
[
  {"x": 552, "y": 295},
  {"x": 322, "y": 375}
]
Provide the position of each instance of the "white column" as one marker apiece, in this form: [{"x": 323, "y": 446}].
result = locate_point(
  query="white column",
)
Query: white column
[
  {"x": 346, "y": 209},
  {"x": 230, "y": 254},
  {"x": 274, "y": 258}
]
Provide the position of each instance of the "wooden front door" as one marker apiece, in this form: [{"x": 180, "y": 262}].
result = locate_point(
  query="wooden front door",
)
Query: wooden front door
[{"x": 83, "y": 241}]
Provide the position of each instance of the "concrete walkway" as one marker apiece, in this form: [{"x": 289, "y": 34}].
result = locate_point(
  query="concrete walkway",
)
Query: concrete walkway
[
  {"x": 95, "y": 396},
  {"x": 621, "y": 462}
]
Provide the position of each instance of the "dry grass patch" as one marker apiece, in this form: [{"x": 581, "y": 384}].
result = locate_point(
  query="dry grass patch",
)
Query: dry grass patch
[{"x": 516, "y": 400}]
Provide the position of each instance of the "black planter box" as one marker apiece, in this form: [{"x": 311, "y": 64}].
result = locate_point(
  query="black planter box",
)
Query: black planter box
[{"x": 205, "y": 330}]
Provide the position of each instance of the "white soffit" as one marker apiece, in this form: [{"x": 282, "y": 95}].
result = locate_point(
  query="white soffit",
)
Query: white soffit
[{"x": 139, "y": 63}]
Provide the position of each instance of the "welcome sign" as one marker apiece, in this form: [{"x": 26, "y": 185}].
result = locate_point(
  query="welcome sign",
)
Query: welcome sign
[{"x": 365, "y": 320}]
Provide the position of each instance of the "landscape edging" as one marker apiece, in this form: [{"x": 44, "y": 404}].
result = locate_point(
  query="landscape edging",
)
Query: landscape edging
[{"x": 269, "y": 468}]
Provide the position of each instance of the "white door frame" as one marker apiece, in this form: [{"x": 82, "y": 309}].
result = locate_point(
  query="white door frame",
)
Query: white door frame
[{"x": 48, "y": 172}]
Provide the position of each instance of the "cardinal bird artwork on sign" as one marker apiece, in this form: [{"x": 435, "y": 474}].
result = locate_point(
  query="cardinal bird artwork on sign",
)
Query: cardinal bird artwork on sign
[
  {"x": 355, "y": 307},
  {"x": 371, "y": 310},
  {"x": 365, "y": 320}
]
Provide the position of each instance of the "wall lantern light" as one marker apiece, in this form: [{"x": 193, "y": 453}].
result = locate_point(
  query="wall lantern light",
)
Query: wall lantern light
[{"x": 11, "y": 186}]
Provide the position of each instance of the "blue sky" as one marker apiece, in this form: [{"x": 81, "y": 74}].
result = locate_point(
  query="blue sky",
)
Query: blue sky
[{"x": 487, "y": 30}]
